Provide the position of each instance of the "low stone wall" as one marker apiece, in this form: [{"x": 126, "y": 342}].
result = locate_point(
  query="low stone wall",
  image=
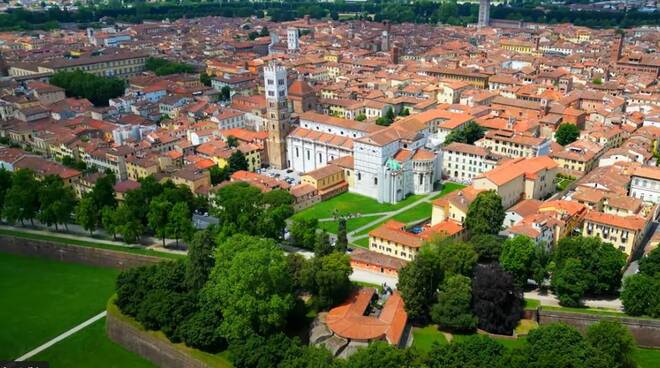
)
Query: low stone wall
[
  {"x": 73, "y": 253},
  {"x": 161, "y": 353},
  {"x": 646, "y": 332}
]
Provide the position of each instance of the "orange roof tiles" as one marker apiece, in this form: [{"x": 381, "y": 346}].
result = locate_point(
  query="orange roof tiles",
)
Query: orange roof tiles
[{"x": 348, "y": 320}]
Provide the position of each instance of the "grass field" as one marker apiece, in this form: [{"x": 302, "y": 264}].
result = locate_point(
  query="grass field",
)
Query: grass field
[
  {"x": 647, "y": 358},
  {"x": 83, "y": 243},
  {"x": 362, "y": 242},
  {"x": 347, "y": 203},
  {"x": 351, "y": 224},
  {"x": 420, "y": 212},
  {"x": 448, "y": 187},
  {"x": 43, "y": 298},
  {"x": 424, "y": 337},
  {"x": 91, "y": 345}
]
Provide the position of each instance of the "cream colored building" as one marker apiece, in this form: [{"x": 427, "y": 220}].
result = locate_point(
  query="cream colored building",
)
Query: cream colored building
[
  {"x": 515, "y": 180},
  {"x": 514, "y": 145},
  {"x": 625, "y": 233}
]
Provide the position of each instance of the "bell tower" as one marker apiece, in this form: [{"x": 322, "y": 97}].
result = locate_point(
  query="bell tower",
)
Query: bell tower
[{"x": 278, "y": 125}]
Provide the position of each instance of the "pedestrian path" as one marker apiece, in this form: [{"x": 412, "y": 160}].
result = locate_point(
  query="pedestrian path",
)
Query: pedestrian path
[{"x": 61, "y": 337}]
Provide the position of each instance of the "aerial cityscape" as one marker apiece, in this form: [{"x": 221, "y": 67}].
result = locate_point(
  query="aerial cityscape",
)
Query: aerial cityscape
[{"x": 330, "y": 184}]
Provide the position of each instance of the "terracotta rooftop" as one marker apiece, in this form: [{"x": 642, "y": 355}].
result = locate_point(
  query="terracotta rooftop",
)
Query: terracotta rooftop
[{"x": 349, "y": 321}]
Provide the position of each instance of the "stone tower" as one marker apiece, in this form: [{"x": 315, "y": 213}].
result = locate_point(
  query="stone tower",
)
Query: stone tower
[
  {"x": 278, "y": 123},
  {"x": 292, "y": 38},
  {"x": 617, "y": 47},
  {"x": 484, "y": 14}
]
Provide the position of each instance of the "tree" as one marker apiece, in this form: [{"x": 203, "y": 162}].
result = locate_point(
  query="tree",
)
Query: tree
[
  {"x": 158, "y": 217},
  {"x": 603, "y": 263},
  {"x": 237, "y": 208},
  {"x": 485, "y": 214},
  {"x": 361, "y": 117},
  {"x": 641, "y": 295},
  {"x": 418, "y": 282},
  {"x": 472, "y": 352},
  {"x": 452, "y": 311},
  {"x": 322, "y": 246},
  {"x": 98, "y": 90},
  {"x": 303, "y": 232},
  {"x": 569, "y": 283},
  {"x": 205, "y": 79},
  {"x": 131, "y": 228},
  {"x": 468, "y": 134},
  {"x": 342, "y": 235},
  {"x": 558, "y": 345},
  {"x": 237, "y": 162},
  {"x": 256, "y": 351},
  {"x": 200, "y": 259},
  {"x": 613, "y": 340},
  {"x": 518, "y": 258},
  {"x": 87, "y": 214},
  {"x": 487, "y": 246},
  {"x": 309, "y": 357},
  {"x": 103, "y": 193},
  {"x": 386, "y": 119},
  {"x": 57, "y": 201},
  {"x": 567, "y": 133},
  {"x": 225, "y": 93},
  {"x": 382, "y": 355},
  {"x": 650, "y": 264},
  {"x": 179, "y": 223},
  {"x": 496, "y": 302},
  {"x": 110, "y": 221},
  {"x": 165, "y": 67},
  {"x": 218, "y": 175},
  {"x": 327, "y": 278},
  {"x": 5, "y": 184},
  {"x": 200, "y": 330},
  {"x": 251, "y": 302},
  {"x": 454, "y": 257},
  {"x": 22, "y": 199},
  {"x": 232, "y": 141}
]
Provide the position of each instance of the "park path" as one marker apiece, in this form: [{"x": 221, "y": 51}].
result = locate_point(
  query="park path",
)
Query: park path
[
  {"x": 61, "y": 337},
  {"x": 73, "y": 234}
]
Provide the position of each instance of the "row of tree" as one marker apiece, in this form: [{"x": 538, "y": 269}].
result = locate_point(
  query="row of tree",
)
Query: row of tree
[
  {"x": 161, "y": 67},
  {"x": 230, "y": 289},
  {"x": 606, "y": 344},
  {"x": 421, "y": 11},
  {"x": 641, "y": 291},
  {"x": 98, "y": 90}
]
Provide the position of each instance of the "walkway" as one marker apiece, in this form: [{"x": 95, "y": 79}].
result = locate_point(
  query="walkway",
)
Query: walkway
[{"x": 61, "y": 337}]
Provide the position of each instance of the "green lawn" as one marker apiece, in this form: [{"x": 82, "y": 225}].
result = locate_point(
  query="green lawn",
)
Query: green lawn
[
  {"x": 362, "y": 242},
  {"x": 532, "y": 303},
  {"x": 420, "y": 212},
  {"x": 647, "y": 358},
  {"x": 42, "y": 299},
  {"x": 347, "y": 203},
  {"x": 351, "y": 224},
  {"x": 423, "y": 338},
  {"x": 448, "y": 187},
  {"x": 91, "y": 345},
  {"x": 84, "y": 243},
  {"x": 598, "y": 311}
]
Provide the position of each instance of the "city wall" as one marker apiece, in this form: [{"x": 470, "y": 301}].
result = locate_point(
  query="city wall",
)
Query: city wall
[
  {"x": 73, "y": 253},
  {"x": 646, "y": 332}
]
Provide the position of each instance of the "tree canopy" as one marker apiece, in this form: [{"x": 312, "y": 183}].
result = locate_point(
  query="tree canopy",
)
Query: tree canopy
[
  {"x": 98, "y": 90},
  {"x": 485, "y": 214},
  {"x": 468, "y": 134},
  {"x": 567, "y": 133}
]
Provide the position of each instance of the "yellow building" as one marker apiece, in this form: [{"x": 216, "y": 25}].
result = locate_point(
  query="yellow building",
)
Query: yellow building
[
  {"x": 625, "y": 233},
  {"x": 138, "y": 168},
  {"x": 515, "y": 180},
  {"x": 578, "y": 158},
  {"x": 328, "y": 180},
  {"x": 521, "y": 47},
  {"x": 454, "y": 206},
  {"x": 192, "y": 178},
  {"x": 393, "y": 240}
]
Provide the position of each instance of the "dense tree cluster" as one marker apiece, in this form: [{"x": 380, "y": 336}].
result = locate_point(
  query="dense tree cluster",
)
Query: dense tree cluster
[
  {"x": 586, "y": 265},
  {"x": 641, "y": 292},
  {"x": 567, "y": 133},
  {"x": 445, "y": 284},
  {"x": 394, "y": 11},
  {"x": 469, "y": 134},
  {"x": 24, "y": 198},
  {"x": 98, "y": 90},
  {"x": 166, "y": 67},
  {"x": 242, "y": 208}
]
